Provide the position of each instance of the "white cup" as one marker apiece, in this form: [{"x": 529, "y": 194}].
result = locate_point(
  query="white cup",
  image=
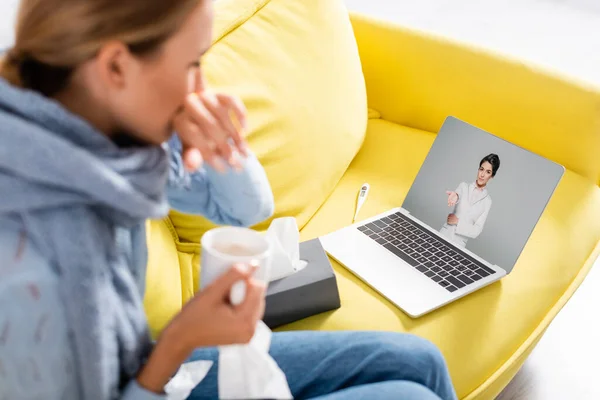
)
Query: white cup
[{"x": 224, "y": 247}]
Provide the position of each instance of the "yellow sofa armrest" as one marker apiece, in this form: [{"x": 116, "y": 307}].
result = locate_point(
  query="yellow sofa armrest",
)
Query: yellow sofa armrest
[
  {"x": 417, "y": 80},
  {"x": 163, "y": 291}
]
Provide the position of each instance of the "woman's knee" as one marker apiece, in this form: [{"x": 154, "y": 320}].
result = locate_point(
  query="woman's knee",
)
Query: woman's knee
[
  {"x": 409, "y": 349},
  {"x": 422, "y": 362},
  {"x": 389, "y": 390},
  {"x": 428, "y": 353},
  {"x": 406, "y": 390}
]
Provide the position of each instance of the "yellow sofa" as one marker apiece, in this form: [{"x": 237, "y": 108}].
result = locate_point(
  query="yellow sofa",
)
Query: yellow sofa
[{"x": 336, "y": 100}]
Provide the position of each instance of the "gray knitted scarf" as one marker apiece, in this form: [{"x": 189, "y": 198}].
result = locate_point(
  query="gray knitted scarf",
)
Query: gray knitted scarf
[{"x": 83, "y": 201}]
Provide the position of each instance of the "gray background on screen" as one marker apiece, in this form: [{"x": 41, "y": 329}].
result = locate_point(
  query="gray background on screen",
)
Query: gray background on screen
[{"x": 520, "y": 191}]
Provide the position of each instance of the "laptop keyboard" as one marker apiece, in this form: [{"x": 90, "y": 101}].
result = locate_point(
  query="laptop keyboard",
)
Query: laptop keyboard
[{"x": 425, "y": 252}]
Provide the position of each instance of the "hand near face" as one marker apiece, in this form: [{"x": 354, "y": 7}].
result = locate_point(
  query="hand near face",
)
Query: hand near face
[
  {"x": 452, "y": 198},
  {"x": 207, "y": 129},
  {"x": 452, "y": 219}
]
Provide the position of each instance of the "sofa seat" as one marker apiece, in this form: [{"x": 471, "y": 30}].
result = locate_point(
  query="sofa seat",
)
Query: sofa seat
[{"x": 485, "y": 335}]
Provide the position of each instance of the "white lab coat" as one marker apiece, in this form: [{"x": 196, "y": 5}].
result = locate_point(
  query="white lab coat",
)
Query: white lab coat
[{"x": 472, "y": 210}]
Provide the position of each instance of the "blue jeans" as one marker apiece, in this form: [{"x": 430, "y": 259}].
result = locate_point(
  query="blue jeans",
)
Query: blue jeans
[{"x": 350, "y": 365}]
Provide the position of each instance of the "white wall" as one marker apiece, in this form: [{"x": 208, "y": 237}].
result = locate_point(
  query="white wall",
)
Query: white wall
[
  {"x": 563, "y": 35},
  {"x": 8, "y": 9}
]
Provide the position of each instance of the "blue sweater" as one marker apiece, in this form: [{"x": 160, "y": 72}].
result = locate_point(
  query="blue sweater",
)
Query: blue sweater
[{"x": 36, "y": 359}]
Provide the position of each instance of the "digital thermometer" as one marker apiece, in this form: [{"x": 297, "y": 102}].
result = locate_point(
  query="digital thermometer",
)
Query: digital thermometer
[{"x": 362, "y": 196}]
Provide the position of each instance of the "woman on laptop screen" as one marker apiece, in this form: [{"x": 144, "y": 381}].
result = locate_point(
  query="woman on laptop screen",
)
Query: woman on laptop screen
[{"x": 472, "y": 203}]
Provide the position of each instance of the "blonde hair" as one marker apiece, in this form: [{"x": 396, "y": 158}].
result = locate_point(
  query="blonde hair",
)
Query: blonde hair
[{"x": 53, "y": 37}]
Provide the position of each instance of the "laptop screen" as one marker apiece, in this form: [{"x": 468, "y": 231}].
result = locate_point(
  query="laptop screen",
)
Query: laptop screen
[{"x": 481, "y": 192}]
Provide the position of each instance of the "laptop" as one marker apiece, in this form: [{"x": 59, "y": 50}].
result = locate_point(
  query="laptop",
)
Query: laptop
[{"x": 462, "y": 226}]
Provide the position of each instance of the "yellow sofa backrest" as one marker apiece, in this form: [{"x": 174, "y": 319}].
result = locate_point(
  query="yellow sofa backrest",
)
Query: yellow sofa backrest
[
  {"x": 295, "y": 64},
  {"x": 432, "y": 77}
]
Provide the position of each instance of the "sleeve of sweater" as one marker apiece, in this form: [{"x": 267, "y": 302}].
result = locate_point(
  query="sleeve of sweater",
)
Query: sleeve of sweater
[
  {"x": 36, "y": 359},
  {"x": 238, "y": 198}
]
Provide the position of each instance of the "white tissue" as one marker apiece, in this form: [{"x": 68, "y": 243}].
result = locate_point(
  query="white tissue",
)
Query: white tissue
[
  {"x": 249, "y": 372},
  {"x": 186, "y": 379},
  {"x": 285, "y": 240}
]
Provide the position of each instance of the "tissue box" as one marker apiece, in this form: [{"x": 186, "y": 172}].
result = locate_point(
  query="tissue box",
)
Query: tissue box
[{"x": 311, "y": 291}]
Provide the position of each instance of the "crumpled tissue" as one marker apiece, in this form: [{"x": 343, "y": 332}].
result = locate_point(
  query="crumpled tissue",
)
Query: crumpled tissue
[
  {"x": 186, "y": 379},
  {"x": 249, "y": 372}
]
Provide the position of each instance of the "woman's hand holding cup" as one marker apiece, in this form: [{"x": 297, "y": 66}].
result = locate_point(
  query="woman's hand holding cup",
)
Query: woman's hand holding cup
[
  {"x": 209, "y": 319},
  {"x": 214, "y": 317}
]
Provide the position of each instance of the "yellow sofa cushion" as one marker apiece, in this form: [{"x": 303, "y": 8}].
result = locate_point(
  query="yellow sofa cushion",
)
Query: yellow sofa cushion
[
  {"x": 480, "y": 333},
  {"x": 295, "y": 64}
]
